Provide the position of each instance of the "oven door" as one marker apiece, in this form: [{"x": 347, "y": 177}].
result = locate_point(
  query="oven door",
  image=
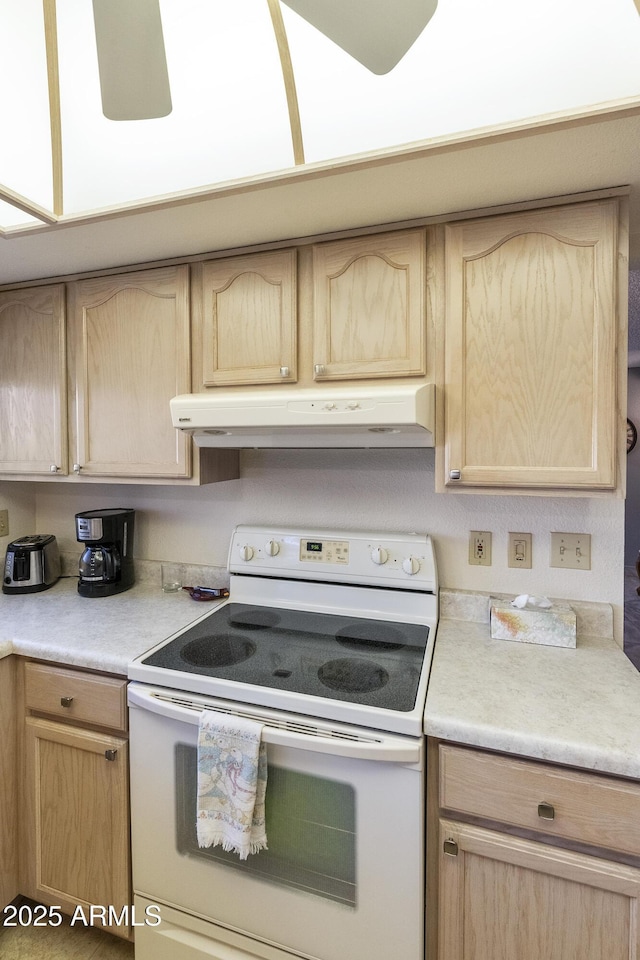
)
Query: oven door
[{"x": 343, "y": 873}]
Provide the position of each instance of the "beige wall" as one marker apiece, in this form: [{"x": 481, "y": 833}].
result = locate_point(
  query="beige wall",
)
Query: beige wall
[
  {"x": 386, "y": 490},
  {"x": 21, "y": 505}
]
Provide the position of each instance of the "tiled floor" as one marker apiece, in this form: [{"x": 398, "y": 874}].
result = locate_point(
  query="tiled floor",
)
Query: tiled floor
[{"x": 60, "y": 943}]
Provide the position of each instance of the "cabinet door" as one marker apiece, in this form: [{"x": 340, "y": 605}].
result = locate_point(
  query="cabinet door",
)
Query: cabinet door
[
  {"x": 33, "y": 412},
  {"x": 131, "y": 344},
  {"x": 77, "y": 817},
  {"x": 503, "y": 898},
  {"x": 530, "y": 349},
  {"x": 248, "y": 322},
  {"x": 8, "y": 783},
  {"x": 369, "y": 307}
]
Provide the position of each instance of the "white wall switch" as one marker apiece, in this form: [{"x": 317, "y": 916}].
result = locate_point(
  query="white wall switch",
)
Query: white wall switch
[
  {"x": 480, "y": 548},
  {"x": 571, "y": 550},
  {"x": 520, "y": 550}
]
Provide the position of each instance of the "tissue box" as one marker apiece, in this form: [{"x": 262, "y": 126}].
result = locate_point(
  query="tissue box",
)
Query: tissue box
[{"x": 555, "y": 626}]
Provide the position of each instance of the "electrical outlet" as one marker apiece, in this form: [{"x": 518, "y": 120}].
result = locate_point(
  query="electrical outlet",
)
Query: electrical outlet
[
  {"x": 520, "y": 550},
  {"x": 4, "y": 523},
  {"x": 571, "y": 550},
  {"x": 480, "y": 548}
]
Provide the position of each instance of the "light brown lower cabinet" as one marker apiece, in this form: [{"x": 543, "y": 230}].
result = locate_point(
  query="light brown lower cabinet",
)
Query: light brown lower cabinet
[
  {"x": 503, "y": 898},
  {"x": 76, "y": 796},
  {"x": 531, "y": 860},
  {"x": 8, "y": 784}
]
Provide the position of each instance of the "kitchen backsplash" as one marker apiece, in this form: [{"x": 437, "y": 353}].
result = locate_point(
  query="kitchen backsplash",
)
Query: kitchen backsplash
[{"x": 333, "y": 489}]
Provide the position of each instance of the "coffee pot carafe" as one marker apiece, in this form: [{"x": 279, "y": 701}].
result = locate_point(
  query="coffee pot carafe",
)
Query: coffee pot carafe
[{"x": 106, "y": 564}]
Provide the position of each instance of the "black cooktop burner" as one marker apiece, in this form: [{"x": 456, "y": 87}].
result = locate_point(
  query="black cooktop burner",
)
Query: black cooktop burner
[
  {"x": 219, "y": 651},
  {"x": 304, "y": 653},
  {"x": 353, "y": 676}
]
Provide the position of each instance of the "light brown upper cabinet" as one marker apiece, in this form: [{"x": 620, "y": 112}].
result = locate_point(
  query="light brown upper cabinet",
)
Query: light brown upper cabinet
[
  {"x": 369, "y": 307},
  {"x": 33, "y": 412},
  {"x": 129, "y": 355},
  {"x": 531, "y": 328},
  {"x": 244, "y": 311}
]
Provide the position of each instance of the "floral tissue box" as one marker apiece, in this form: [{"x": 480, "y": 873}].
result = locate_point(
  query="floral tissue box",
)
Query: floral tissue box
[{"x": 554, "y": 625}]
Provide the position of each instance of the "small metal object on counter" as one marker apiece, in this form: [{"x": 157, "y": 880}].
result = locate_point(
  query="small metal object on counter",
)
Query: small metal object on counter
[{"x": 206, "y": 593}]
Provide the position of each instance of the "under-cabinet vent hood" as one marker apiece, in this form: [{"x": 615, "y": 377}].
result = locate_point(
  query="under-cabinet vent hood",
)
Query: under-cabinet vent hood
[{"x": 378, "y": 416}]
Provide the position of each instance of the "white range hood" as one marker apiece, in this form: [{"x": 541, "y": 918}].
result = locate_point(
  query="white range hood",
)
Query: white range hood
[{"x": 378, "y": 416}]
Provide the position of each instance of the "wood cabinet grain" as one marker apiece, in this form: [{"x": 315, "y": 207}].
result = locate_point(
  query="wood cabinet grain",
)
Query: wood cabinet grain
[
  {"x": 8, "y": 783},
  {"x": 534, "y": 860},
  {"x": 530, "y": 342},
  {"x": 369, "y": 307},
  {"x": 130, "y": 356},
  {"x": 75, "y": 812},
  {"x": 245, "y": 320},
  {"x": 503, "y": 897},
  {"x": 33, "y": 411}
]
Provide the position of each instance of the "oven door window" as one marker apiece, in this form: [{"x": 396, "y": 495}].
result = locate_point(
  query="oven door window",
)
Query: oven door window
[{"x": 311, "y": 831}]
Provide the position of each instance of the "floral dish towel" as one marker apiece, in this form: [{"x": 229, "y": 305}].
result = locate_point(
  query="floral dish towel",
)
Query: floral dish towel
[{"x": 232, "y": 781}]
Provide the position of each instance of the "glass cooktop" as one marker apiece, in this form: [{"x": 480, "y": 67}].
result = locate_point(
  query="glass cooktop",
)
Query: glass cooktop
[{"x": 372, "y": 662}]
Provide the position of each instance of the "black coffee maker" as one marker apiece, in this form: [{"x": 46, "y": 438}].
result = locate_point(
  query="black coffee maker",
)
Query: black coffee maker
[{"x": 106, "y": 566}]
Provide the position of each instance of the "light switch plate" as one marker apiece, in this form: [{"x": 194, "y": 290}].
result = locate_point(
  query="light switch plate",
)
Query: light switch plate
[
  {"x": 572, "y": 550},
  {"x": 520, "y": 550},
  {"x": 4, "y": 523}
]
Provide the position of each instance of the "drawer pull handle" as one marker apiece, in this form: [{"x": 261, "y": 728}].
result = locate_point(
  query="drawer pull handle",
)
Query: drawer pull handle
[
  {"x": 450, "y": 847},
  {"x": 66, "y": 701},
  {"x": 110, "y": 754},
  {"x": 546, "y": 811}
]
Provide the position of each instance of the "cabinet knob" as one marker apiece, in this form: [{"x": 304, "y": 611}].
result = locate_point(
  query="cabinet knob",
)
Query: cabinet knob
[
  {"x": 284, "y": 372},
  {"x": 110, "y": 754},
  {"x": 77, "y": 468},
  {"x": 53, "y": 468},
  {"x": 319, "y": 369},
  {"x": 454, "y": 474},
  {"x": 66, "y": 701},
  {"x": 546, "y": 811},
  {"x": 450, "y": 847}
]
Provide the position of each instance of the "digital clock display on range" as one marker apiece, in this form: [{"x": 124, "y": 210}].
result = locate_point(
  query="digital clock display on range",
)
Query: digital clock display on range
[{"x": 324, "y": 551}]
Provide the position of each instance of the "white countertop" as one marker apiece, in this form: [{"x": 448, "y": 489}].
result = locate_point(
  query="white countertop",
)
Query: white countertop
[
  {"x": 579, "y": 706},
  {"x": 101, "y": 634}
]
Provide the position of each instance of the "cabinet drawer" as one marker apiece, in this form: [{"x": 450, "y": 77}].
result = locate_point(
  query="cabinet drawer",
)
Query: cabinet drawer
[
  {"x": 588, "y": 808},
  {"x": 74, "y": 695}
]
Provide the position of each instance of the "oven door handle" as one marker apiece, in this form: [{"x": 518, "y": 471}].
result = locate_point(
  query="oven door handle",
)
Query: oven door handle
[{"x": 299, "y": 733}]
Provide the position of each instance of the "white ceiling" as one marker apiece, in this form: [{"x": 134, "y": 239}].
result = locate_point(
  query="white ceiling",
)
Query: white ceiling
[{"x": 597, "y": 149}]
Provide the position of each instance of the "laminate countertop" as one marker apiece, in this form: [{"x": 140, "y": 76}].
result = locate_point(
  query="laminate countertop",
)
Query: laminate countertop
[
  {"x": 101, "y": 634},
  {"x": 579, "y": 707}
]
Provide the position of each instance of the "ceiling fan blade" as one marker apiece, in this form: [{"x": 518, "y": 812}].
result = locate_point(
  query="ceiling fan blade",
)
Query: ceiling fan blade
[
  {"x": 131, "y": 59},
  {"x": 376, "y": 34}
]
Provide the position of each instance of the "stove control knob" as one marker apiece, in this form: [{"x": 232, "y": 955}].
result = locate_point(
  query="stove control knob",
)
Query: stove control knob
[
  {"x": 272, "y": 548},
  {"x": 411, "y": 565},
  {"x": 246, "y": 552},
  {"x": 379, "y": 555}
]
